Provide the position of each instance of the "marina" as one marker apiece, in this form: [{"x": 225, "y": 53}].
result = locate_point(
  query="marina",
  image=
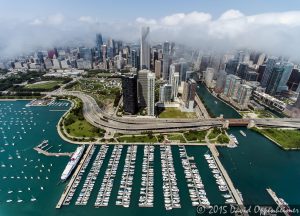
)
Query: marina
[
  {"x": 40, "y": 149},
  {"x": 125, "y": 190},
  {"x": 91, "y": 177},
  {"x": 147, "y": 184},
  {"x": 108, "y": 180},
  {"x": 194, "y": 181},
  {"x": 171, "y": 191},
  {"x": 285, "y": 209}
]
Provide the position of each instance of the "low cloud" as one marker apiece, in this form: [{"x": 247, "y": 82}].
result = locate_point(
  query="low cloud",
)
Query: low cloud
[{"x": 275, "y": 33}]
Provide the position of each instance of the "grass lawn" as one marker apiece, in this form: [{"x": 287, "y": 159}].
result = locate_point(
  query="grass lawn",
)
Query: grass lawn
[
  {"x": 77, "y": 126},
  {"x": 214, "y": 133},
  {"x": 81, "y": 128},
  {"x": 176, "y": 137},
  {"x": 171, "y": 112},
  {"x": 286, "y": 138},
  {"x": 43, "y": 85},
  {"x": 195, "y": 135},
  {"x": 264, "y": 114},
  {"x": 137, "y": 138}
]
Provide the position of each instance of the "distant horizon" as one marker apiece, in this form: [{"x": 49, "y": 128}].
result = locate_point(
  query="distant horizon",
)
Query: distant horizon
[{"x": 270, "y": 26}]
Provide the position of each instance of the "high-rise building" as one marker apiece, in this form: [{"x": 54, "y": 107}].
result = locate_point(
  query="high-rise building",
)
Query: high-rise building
[
  {"x": 205, "y": 61},
  {"x": 231, "y": 85},
  {"x": 287, "y": 70},
  {"x": 294, "y": 80},
  {"x": 261, "y": 59},
  {"x": 189, "y": 92},
  {"x": 145, "y": 48},
  {"x": 134, "y": 59},
  {"x": 251, "y": 76},
  {"x": 243, "y": 95},
  {"x": 208, "y": 77},
  {"x": 165, "y": 93},
  {"x": 231, "y": 66},
  {"x": 99, "y": 41},
  {"x": 183, "y": 70},
  {"x": 85, "y": 53},
  {"x": 174, "y": 81},
  {"x": 158, "y": 69},
  {"x": 166, "y": 60},
  {"x": 142, "y": 87},
  {"x": 188, "y": 75},
  {"x": 243, "y": 68},
  {"x": 220, "y": 84},
  {"x": 270, "y": 64},
  {"x": 150, "y": 94},
  {"x": 297, "y": 104},
  {"x": 261, "y": 71},
  {"x": 129, "y": 88},
  {"x": 274, "y": 80}
]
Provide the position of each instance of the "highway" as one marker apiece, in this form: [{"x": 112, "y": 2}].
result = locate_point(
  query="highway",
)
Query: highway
[{"x": 97, "y": 117}]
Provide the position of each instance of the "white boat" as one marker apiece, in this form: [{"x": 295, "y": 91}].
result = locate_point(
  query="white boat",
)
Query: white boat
[
  {"x": 72, "y": 163},
  {"x": 243, "y": 133},
  {"x": 8, "y": 201},
  {"x": 32, "y": 199}
]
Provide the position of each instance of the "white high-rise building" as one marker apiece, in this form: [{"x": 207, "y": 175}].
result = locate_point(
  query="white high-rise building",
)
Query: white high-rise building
[
  {"x": 145, "y": 48},
  {"x": 174, "y": 81},
  {"x": 208, "y": 77},
  {"x": 150, "y": 94}
]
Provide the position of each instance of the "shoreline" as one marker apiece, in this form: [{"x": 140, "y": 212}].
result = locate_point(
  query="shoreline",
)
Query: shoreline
[{"x": 277, "y": 143}]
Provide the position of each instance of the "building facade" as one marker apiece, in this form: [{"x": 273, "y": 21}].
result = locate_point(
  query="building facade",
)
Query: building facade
[{"x": 129, "y": 88}]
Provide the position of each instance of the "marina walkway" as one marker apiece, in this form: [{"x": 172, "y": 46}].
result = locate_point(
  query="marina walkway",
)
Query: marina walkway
[
  {"x": 233, "y": 190},
  {"x": 277, "y": 201},
  {"x": 41, "y": 151},
  {"x": 67, "y": 189}
]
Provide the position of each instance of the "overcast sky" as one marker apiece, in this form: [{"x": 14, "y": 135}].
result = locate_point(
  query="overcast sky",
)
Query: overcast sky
[{"x": 269, "y": 25}]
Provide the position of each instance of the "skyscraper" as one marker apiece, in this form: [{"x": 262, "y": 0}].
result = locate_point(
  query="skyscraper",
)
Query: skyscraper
[
  {"x": 166, "y": 60},
  {"x": 243, "y": 95},
  {"x": 270, "y": 64},
  {"x": 150, "y": 94},
  {"x": 297, "y": 104},
  {"x": 129, "y": 88},
  {"x": 158, "y": 69},
  {"x": 145, "y": 48},
  {"x": 165, "y": 93},
  {"x": 231, "y": 85},
  {"x": 183, "y": 70},
  {"x": 287, "y": 70},
  {"x": 189, "y": 92},
  {"x": 174, "y": 81},
  {"x": 274, "y": 80},
  {"x": 99, "y": 41},
  {"x": 243, "y": 68},
  {"x": 208, "y": 76},
  {"x": 220, "y": 84},
  {"x": 231, "y": 66},
  {"x": 142, "y": 87},
  {"x": 294, "y": 80},
  {"x": 134, "y": 59}
]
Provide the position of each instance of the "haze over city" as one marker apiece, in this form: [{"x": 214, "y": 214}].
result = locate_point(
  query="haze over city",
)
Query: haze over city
[{"x": 272, "y": 27}]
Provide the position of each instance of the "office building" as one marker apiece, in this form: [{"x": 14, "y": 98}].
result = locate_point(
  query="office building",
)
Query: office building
[
  {"x": 287, "y": 70},
  {"x": 242, "y": 70},
  {"x": 166, "y": 60},
  {"x": 174, "y": 81},
  {"x": 231, "y": 85},
  {"x": 145, "y": 48},
  {"x": 134, "y": 59},
  {"x": 129, "y": 88},
  {"x": 208, "y": 77},
  {"x": 183, "y": 70},
  {"x": 270, "y": 64},
  {"x": 251, "y": 76},
  {"x": 188, "y": 75},
  {"x": 189, "y": 92},
  {"x": 231, "y": 66},
  {"x": 220, "y": 83},
  {"x": 243, "y": 95},
  {"x": 274, "y": 80},
  {"x": 151, "y": 94},
  {"x": 294, "y": 80},
  {"x": 165, "y": 93},
  {"x": 158, "y": 69},
  {"x": 297, "y": 104}
]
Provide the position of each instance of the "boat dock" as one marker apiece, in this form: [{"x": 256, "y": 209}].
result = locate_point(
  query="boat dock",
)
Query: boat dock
[
  {"x": 146, "y": 193},
  {"x": 230, "y": 185},
  {"x": 278, "y": 202},
  {"x": 45, "y": 152},
  {"x": 69, "y": 186}
]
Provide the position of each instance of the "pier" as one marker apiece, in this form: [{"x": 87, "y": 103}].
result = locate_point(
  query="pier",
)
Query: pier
[
  {"x": 44, "y": 152},
  {"x": 230, "y": 185},
  {"x": 285, "y": 210},
  {"x": 67, "y": 189}
]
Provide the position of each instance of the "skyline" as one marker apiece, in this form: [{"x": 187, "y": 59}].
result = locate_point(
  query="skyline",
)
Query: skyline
[{"x": 271, "y": 29}]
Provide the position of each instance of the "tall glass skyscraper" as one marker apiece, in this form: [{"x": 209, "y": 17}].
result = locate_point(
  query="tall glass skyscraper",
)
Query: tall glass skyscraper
[
  {"x": 145, "y": 48},
  {"x": 270, "y": 64},
  {"x": 287, "y": 70},
  {"x": 274, "y": 80}
]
